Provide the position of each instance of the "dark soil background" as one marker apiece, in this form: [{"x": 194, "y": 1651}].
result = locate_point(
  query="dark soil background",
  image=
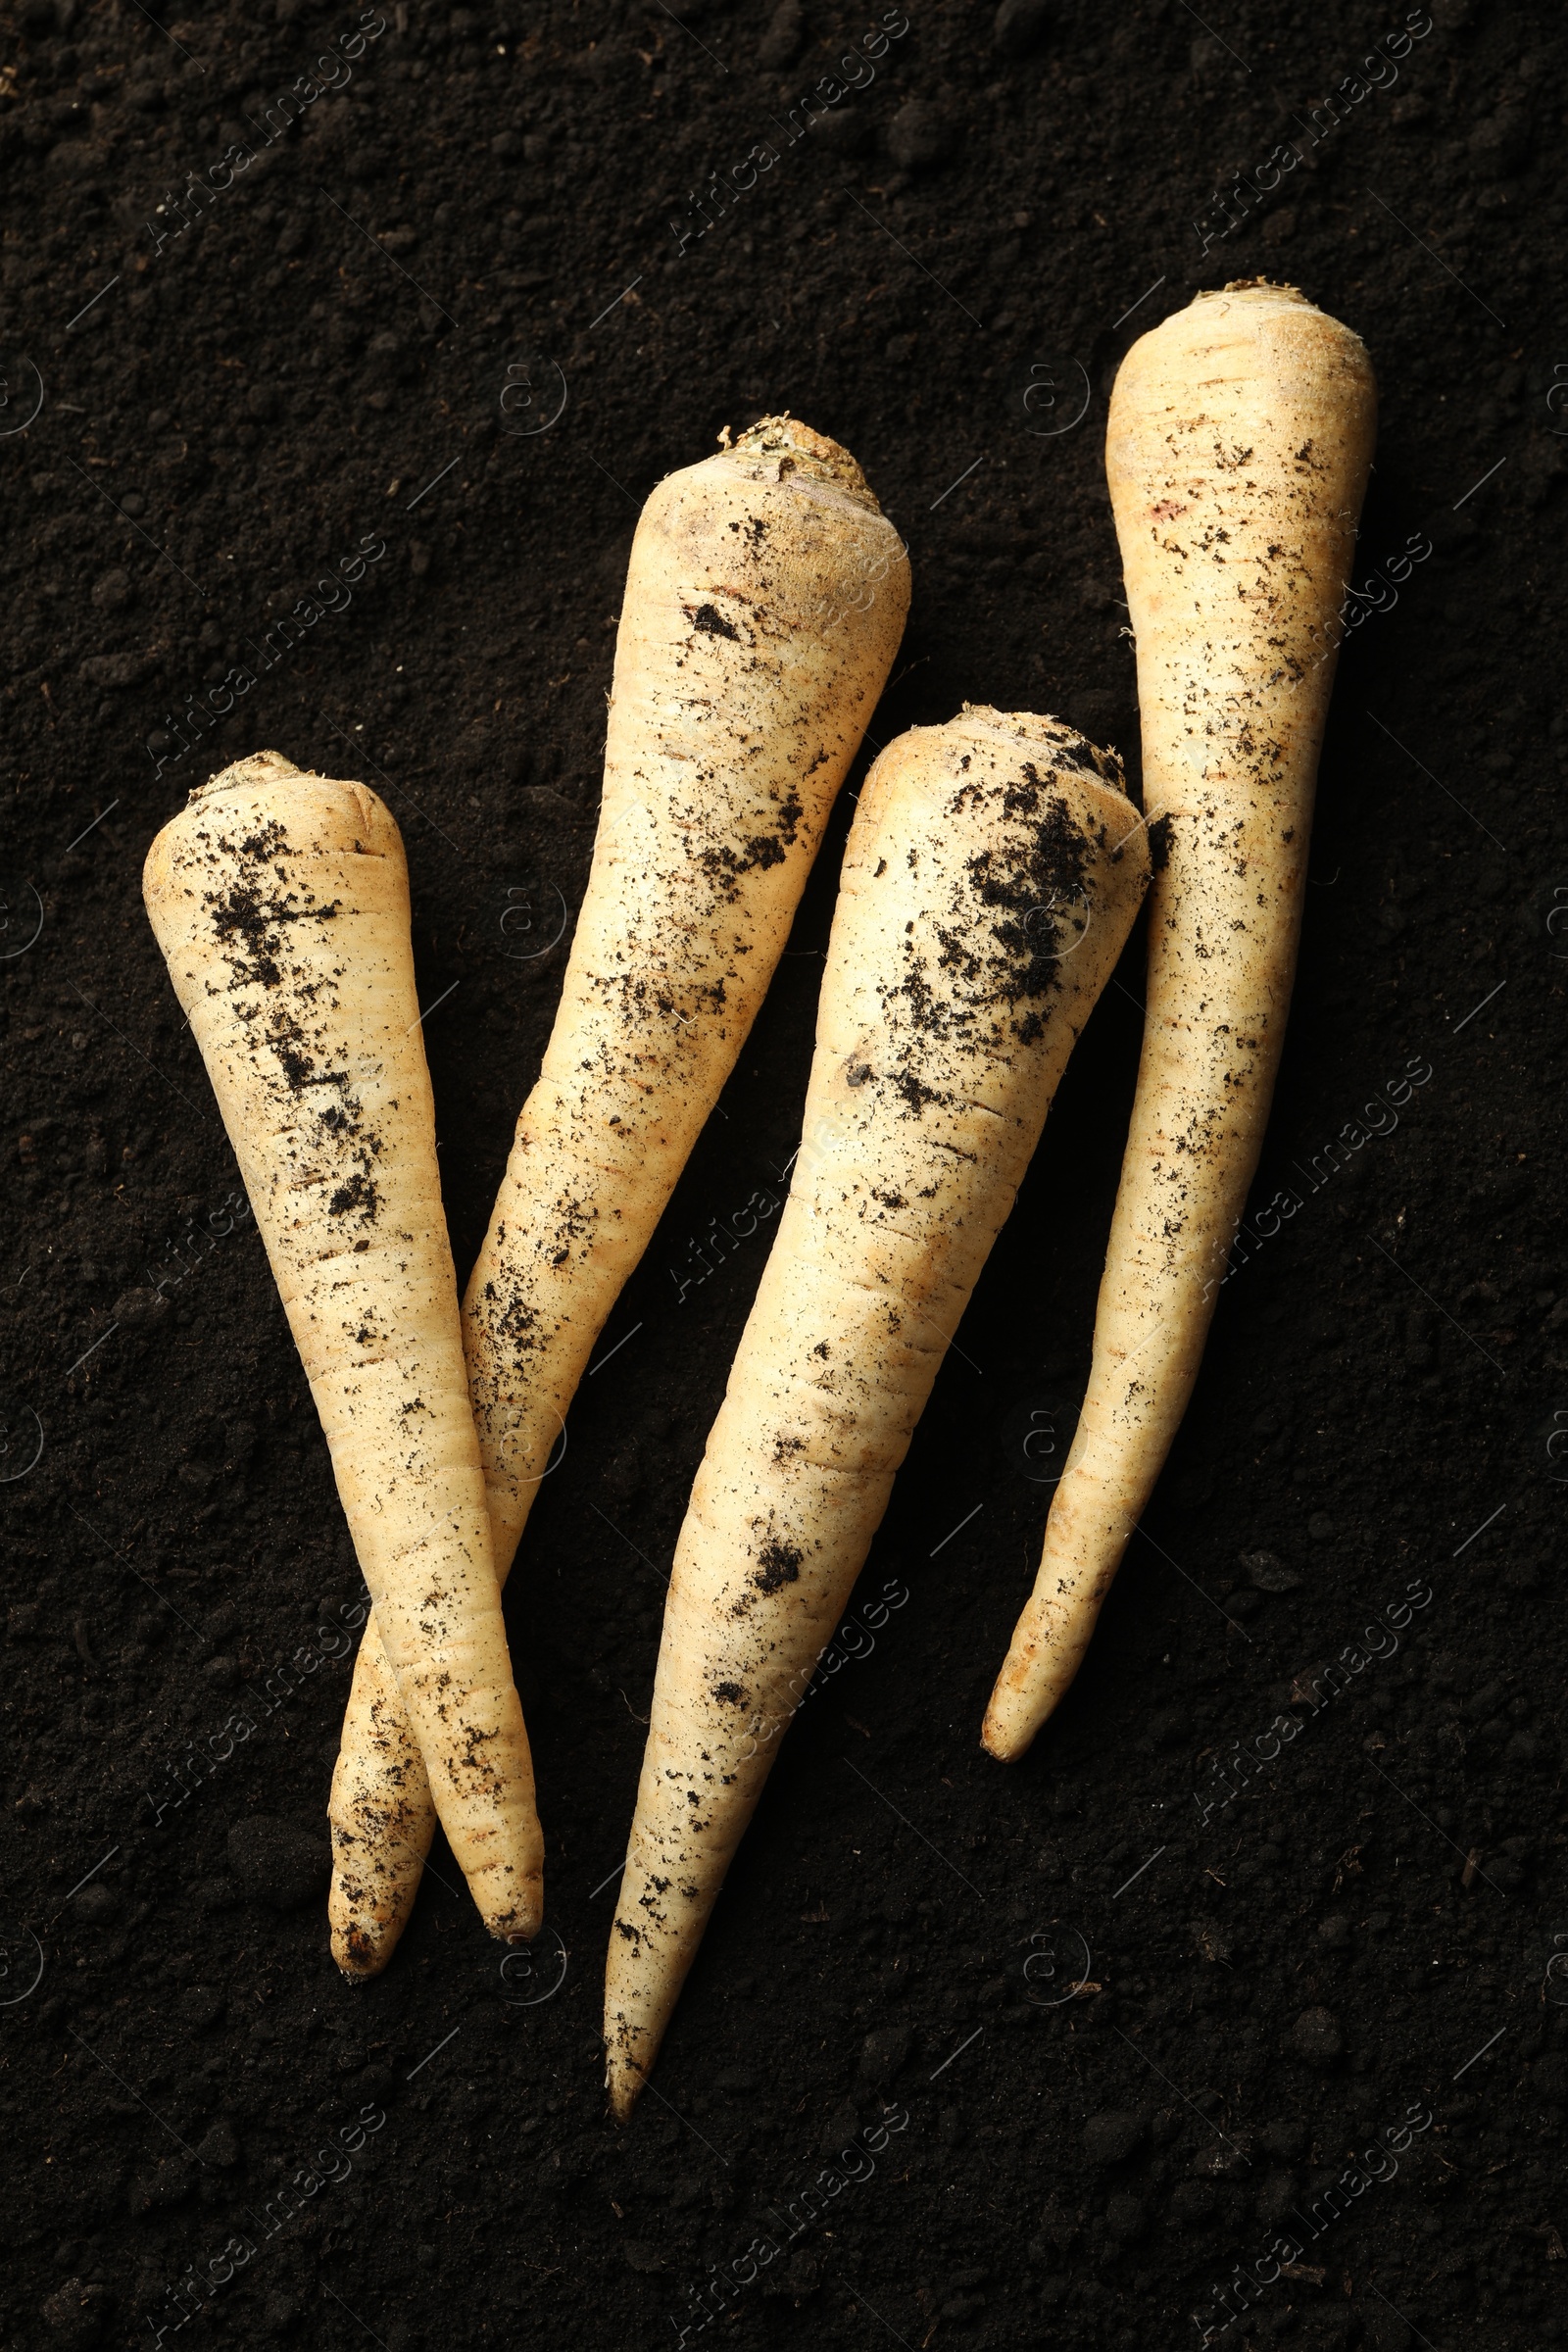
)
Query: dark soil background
[{"x": 1129, "y": 2023}]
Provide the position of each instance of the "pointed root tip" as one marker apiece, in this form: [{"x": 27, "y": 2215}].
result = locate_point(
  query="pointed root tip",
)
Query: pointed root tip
[
  {"x": 623, "y": 2081},
  {"x": 996, "y": 1742},
  {"x": 1007, "y": 1733},
  {"x": 361, "y": 1952},
  {"x": 523, "y": 1916},
  {"x": 365, "y": 1935},
  {"x": 625, "y": 2074}
]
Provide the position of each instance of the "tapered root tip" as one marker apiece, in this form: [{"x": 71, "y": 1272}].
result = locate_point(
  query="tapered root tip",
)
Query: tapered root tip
[
  {"x": 623, "y": 2081},
  {"x": 1002, "y": 1738},
  {"x": 632, "y": 2034},
  {"x": 360, "y": 1953},
  {"x": 519, "y": 1916},
  {"x": 1025, "y": 1698},
  {"x": 365, "y": 1936},
  {"x": 375, "y": 1878}
]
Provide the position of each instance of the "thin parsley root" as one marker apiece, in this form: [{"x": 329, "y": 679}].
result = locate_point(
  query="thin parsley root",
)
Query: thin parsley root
[
  {"x": 764, "y": 607},
  {"x": 280, "y": 900},
  {"x": 992, "y": 875},
  {"x": 1240, "y": 441}
]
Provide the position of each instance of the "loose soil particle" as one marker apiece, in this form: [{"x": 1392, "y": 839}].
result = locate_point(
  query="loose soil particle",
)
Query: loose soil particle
[{"x": 1098, "y": 1965}]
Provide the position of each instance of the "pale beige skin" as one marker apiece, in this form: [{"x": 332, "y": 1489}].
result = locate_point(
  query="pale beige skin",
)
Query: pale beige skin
[
  {"x": 1239, "y": 440},
  {"x": 280, "y": 900},
  {"x": 963, "y": 963},
  {"x": 765, "y": 603}
]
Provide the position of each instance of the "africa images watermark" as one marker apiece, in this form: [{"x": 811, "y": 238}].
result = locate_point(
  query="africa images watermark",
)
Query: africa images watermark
[
  {"x": 851, "y": 1641},
  {"x": 278, "y": 640},
  {"x": 281, "y": 1684},
  {"x": 1380, "y": 595},
  {"x": 806, "y": 2210},
  {"x": 1381, "y": 1116},
  {"x": 1232, "y": 205},
  {"x": 1249, "y": 2282},
  {"x": 196, "y": 198},
  {"x": 1379, "y": 1640},
  {"x": 720, "y": 190},
  {"x": 199, "y": 2284}
]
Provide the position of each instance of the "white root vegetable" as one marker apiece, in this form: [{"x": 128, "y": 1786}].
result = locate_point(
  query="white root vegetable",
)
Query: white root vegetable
[
  {"x": 764, "y": 602},
  {"x": 1239, "y": 440},
  {"x": 992, "y": 875},
  {"x": 280, "y": 900}
]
